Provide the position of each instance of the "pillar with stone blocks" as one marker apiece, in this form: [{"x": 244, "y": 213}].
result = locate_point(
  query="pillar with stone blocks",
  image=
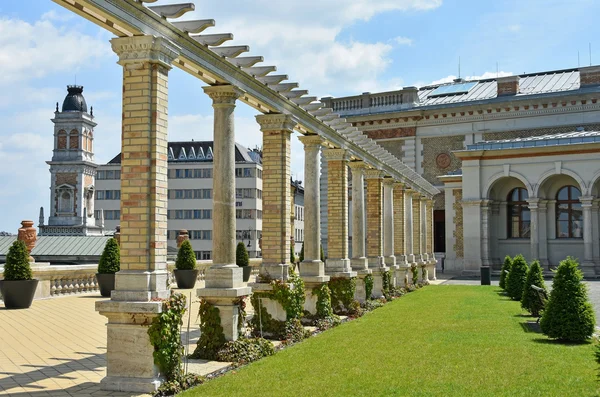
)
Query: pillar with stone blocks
[
  {"x": 223, "y": 280},
  {"x": 388, "y": 227},
  {"x": 399, "y": 241},
  {"x": 429, "y": 245},
  {"x": 416, "y": 227},
  {"x": 277, "y": 130},
  {"x": 337, "y": 263},
  {"x": 359, "y": 262},
  {"x": 375, "y": 228},
  {"x": 408, "y": 227},
  {"x": 130, "y": 367},
  {"x": 312, "y": 269}
]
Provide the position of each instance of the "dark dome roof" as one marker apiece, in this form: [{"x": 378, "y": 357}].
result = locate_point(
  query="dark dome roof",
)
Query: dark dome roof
[{"x": 74, "y": 101}]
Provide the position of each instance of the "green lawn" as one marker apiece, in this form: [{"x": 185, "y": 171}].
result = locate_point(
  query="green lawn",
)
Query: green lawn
[{"x": 437, "y": 341}]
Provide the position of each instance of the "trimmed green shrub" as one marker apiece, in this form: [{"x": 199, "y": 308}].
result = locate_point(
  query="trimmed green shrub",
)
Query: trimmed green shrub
[
  {"x": 568, "y": 315},
  {"x": 516, "y": 278},
  {"x": 241, "y": 255},
  {"x": 186, "y": 259},
  {"x": 110, "y": 261},
  {"x": 17, "y": 263},
  {"x": 302, "y": 253},
  {"x": 292, "y": 256},
  {"x": 244, "y": 351},
  {"x": 503, "y": 275},
  {"x": 530, "y": 300}
]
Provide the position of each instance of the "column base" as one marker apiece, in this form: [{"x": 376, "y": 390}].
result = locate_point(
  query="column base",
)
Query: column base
[
  {"x": 129, "y": 353},
  {"x": 376, "y": 262},
  {"x": 378, "y": 281},
  {"x": 140, "y": 286},
  {"x": 311, "y": 269},
  {"x": 410, "y": 258},
  {"x": 226, "y": 277},
  {"x": 402, "y": 276},
  {"x": 339, "y": 268},
  {"x": 588, "y": 269},
  {"x": 359, "y": 264},
  {"x": 361, "y": 294},
  {"x": 274, "y": 272},
  {"x": 390, "y": 260},
  {"x": 225, "y": 299},
  {"x": 310, "y": 303},
  {"x": 401, "y": 260}
]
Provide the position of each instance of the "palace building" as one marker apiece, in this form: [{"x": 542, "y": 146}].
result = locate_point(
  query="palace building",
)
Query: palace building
[{"x": 516, "y": 158}]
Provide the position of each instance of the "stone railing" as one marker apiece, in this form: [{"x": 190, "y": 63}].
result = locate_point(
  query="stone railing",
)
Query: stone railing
[{"x": 401, "y": 99}]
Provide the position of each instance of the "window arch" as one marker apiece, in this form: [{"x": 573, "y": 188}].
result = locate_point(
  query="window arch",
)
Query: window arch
[
  {"x": 61, "y": 140},
  {"x": 74, "y": 140},
  {"x": 519, "y": 220},
  {"x": 65, "y": 201},
  {"x": 569, "y": 213}
]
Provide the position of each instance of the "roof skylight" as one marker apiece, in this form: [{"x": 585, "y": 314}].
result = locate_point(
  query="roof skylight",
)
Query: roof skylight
[{"x": 452, "y": 89}]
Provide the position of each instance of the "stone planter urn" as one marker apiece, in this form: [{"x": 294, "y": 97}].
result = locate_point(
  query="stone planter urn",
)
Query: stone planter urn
[{"x": 28, "y": 235}]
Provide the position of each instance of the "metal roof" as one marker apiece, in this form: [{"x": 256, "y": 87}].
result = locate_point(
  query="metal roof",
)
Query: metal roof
[
  {"x": 567, "y": 138},
  {"x": 61, "y": 245}
]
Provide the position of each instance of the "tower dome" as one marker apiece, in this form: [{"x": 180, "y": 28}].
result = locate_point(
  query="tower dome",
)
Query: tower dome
[{"x": 74, "y": 101}]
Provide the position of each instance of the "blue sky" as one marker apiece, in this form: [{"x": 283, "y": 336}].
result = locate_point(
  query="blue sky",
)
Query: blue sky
[{"x": 331, "y": 47}]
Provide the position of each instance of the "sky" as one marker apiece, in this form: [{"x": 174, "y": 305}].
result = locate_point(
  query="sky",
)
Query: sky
[{"x": 330, "y": 47}]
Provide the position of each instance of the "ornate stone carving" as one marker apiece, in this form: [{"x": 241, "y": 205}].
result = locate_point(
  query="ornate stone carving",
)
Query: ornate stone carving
[
  {"x": 336, "y": 154},
  {"x": 66, "y": 178},
  {"x": 276, "y": 122},
  {"x": 134, "y": 51},
  {"x": 223, "y": 94},
  {"x": 443, "y": 160},
  {"x": 402, "y": 132},
  {"x": 181, "y": 237},
  {"x": 311, "y": 140},
  {"x": 373, "y": 174},
  {"x": 28, "y": 235}
]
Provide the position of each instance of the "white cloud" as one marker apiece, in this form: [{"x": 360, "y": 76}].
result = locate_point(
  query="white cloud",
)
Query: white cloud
[
  {"x": 486, "y": 75},
  {"x": 400, "y": 40}
]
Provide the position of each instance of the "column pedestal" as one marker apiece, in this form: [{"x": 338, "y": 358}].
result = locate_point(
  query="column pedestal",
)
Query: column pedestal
[{"x": 361, "y": 294}]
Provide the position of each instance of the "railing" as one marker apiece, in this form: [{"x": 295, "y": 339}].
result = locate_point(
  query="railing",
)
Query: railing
[{"x": 400, "y": 99}]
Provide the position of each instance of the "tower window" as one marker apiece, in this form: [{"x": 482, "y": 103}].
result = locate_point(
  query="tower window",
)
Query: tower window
[
  {"x": 61, "y": 140},
  {"x": 74, "y": 140},
  {"x": 65, "y": 202}
]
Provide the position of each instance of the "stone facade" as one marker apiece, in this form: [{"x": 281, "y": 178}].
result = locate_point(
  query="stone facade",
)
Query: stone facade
[
  {"x": 416, "y": 229},
  {"x": 374, "y": 182},
  {"x": 399, "y": 244},
  {"x": 337, "y": 199},
  {"x": 489, "y": 136},
  {"x": 438, "y": 158},
  {"x": 458, "y": 223},
  {"x": 392, "y": 133}
]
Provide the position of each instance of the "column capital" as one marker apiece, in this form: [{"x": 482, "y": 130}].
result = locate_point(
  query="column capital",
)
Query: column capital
[
  {"x": 336, "y": 155},
  {"x": 373, "y": 174},
  {"x": 389, "y": 181},
  {"x": 415, "y": 194},
  {"x": 429, "y": 201},
  {"x": 472, "y": 203},
  {"x": 223, "y": 94},
  {"x": 311, "y": 140},
  {"x": 357, "y": 165},
  {"x": 399, "y": 185},
  {"x": 276, "y": 122},
  {"x": 586, "y": 201},
  {"x": 134, "y": 51}
]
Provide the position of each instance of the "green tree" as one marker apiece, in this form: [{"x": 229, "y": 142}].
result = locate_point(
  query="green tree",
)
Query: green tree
[
  {"x": 17, "y": 263},
  {"x": 302, "y": 253},
  {"x": 505, "y": 269},
  {"x": 292, "y": 256},
  {"x": 530, "y": 300},
  {"x": 110, "y": 261},
  {"x": 516, "y": 278},
  {"x": 568, "y": 315},
  {"x": 241, "y": 255},
  {"x": 186, "y": 259}
]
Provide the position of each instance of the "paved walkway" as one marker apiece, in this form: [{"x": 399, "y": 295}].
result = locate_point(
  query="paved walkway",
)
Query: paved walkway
[{"x": 57, "y": 348}]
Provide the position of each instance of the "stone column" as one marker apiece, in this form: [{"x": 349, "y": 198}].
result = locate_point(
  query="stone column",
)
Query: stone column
[
  {"x": 534, "y": 227},
  {"x": 408, "y": 227},
  {"x": 429, "y": 245},
  {"x": 495, "y": 225},
  {"x": 399, "y": 243},
  {"x": 588, "y": 250},
  {"x": 416, "y": 227},
  {"x": 543, "y": 233},
  {"x": 375, "y": 228},
  {"x": 277, "y": 129},
  {"x": 312, "y": 269},
  {"x": 424, "y": 234},
  {"x": 130, "y": 367},
  {"x": 337, "y": 263},
  {"x": 596, "y": 231},
  {"x": 359, "y": 261},
  {"x": 486, "y": 211},
  {"x": 223, "y": 280},
  {"x": 388, "y": 223}
]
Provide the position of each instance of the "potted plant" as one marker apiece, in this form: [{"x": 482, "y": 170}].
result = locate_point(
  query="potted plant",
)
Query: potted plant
[
  {"x": 110, "y": 263},
  {"x": 185, "y": 266},
  {"x": 242, "y": 260},
  {"x": 18, "y": 286}
]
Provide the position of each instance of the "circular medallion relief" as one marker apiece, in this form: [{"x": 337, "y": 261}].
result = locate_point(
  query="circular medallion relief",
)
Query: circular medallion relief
[{"x": 443, "y": 160}]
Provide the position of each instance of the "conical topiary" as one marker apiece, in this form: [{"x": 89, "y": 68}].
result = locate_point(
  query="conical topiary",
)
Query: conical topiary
[
  {"x": 110, "y": 261},
  {"x": 504, "y": 271},
  {"x": 241, "y": 255},
  {"x": 568, "y": 315},
  {"x": 516, "y": 278},
  {"x": 530, "y": 300},
  {"x": 301, "y": 259},
  {"x": 17, "y": 263},
  {"x": 186, "y": 259},
  {"x": 292, "y": 256}
]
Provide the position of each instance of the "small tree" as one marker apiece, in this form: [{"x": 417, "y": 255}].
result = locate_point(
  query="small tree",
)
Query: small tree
[
  {"x": 241, "y": 255},
  {"x": 110, "y": 261},
  {"x": 301, "y": 259},
  {"x": 516, "y": 278},
  {"x": 186, "y": 259},
  {"x": 505, "y": 269},
  {"x": 568, "y": 315},
  {"x": 530, "y": 300},
  {"x": 17, "y": 263}
]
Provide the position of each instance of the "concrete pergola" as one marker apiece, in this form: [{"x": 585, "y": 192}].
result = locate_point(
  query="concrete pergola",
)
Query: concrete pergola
[{"x": 399, "y": 214}]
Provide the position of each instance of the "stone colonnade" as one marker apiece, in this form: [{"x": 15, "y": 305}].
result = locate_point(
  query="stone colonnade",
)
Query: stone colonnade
[{"x": 394, "y": 236}]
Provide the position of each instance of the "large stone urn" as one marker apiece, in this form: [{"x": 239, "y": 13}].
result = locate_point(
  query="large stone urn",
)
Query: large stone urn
[{"x": 28, "y": 235}]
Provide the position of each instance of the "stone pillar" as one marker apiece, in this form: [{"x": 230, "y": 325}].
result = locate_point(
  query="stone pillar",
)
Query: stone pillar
[
  {"x": 359, "y": 261},
  {"x": 388, "y": 223},
  {"x": 416, "y": 227},
  {"x": 429, "y": 245},
  {"x": 277, "y": 129},
  {"x": 588, "y": 250},
  {"x": 424, "y": 235},
  {"x": 337, "y": 263},
  {"x": 534, "y": 227},
  {"x": 596, "y": 231},
  {"x": 223, "y": 281},
  {"x": 399, "y": 242},
  {"x": 130, "y": 367},
  {"x": 312, "y": 269},
  {"x": 408, "y": 227},
  {"x": 375, "y": 229},
  {"x": 543, "y": 233},
  {"x": 494, "y": 226},
  {"x": 486, "y": 211}
]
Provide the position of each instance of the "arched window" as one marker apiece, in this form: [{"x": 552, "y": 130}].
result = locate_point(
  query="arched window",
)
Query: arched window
[
  {"x": 74, "y": 140},
  {"x": 61, "y": 140},
  {"x": 569, "y": 214},
  {"x": 64, "y": 202},
  {"x": 519, "y": 221}
]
